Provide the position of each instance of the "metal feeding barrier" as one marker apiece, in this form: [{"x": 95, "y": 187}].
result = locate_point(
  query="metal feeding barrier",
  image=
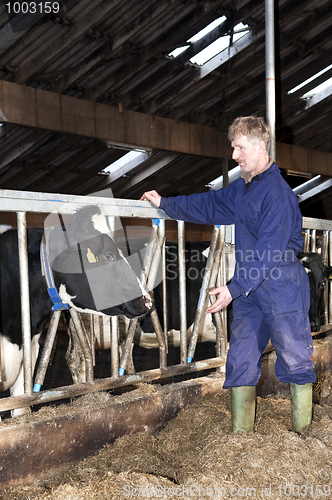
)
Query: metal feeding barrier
[
  {"x": 218, "y": 270},
  {"x": 318, "y": 238},
  {"x": 43, "y": 203}
]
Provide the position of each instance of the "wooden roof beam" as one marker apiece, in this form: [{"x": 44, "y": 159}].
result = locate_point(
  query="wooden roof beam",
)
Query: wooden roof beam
[
  {"x": 291, "y": 157},
  {"x": 40, "y": 109}
]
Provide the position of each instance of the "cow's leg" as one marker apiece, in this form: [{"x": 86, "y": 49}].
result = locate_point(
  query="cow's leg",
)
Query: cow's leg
[
  {"x": 17, "y": 389},
  {"x": 11, "y": 361}
]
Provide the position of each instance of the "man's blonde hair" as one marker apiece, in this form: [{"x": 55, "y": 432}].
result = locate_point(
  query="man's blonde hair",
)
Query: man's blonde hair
[{"x": 253, "y": 127}]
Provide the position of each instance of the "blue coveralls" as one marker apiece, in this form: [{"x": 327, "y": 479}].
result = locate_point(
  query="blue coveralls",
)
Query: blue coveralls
[{"x": 270, "y": 288}]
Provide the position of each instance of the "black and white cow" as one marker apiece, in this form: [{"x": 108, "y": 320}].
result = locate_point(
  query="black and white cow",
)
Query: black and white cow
[
  {"x": 318, "y": 273},
  {"x": 89, "y": 272}
]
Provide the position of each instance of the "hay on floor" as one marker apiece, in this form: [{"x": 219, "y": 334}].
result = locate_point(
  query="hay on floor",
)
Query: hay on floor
[{"x": 196, "y": 456}]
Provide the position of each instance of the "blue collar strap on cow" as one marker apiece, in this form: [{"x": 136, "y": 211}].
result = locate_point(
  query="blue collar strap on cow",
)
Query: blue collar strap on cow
[{"x": 48, "y": 273}]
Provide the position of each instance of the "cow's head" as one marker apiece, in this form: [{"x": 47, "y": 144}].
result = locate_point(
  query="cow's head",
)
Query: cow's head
[
  {"x": 90, "y": 271},
  {"x": 318, "y": 273}
]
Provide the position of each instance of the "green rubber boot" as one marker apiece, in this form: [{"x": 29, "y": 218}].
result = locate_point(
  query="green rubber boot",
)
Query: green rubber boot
[
  {"x": 301, "y": 405},
  {"x": 243, "y": 402}
]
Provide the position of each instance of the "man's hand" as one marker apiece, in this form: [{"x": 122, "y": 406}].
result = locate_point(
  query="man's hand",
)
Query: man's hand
[
  {"x": 224, "y": 298},
  {"x": 152, "y": 196}
]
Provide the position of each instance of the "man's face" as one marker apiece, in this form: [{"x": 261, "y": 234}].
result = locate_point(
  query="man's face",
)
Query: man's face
[{"x": 249, "y": 155}]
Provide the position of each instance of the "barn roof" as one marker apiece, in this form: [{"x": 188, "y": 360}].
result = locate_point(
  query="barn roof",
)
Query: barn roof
[{"x": 118, "y": 54}]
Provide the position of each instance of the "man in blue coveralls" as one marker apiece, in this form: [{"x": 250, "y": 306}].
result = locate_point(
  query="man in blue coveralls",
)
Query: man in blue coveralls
[{"x": 270, "y": 288}]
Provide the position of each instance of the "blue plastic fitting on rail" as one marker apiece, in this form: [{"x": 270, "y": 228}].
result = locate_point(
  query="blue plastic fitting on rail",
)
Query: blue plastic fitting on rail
[
  {"x": 121, "y": 371},
  {"x": 189, "y": 359},
  {"x": 36, "y": 388},
  {"x": 156, "y": 222}
]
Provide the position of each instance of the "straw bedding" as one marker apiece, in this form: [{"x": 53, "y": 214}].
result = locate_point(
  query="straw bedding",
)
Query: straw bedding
[{"x": 196, "y": 456}]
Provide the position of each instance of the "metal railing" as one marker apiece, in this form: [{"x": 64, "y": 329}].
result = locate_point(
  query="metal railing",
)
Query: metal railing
[
  {"x": 217, "y": 273},
  {"x": 44, "y": 203},
  {"x": 321, "y": 230}
]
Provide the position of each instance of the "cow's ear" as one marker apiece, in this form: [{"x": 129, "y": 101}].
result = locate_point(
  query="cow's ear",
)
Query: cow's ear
[
  {"x": 328, "y": 273},
  {"x": 83, "y": 218}
]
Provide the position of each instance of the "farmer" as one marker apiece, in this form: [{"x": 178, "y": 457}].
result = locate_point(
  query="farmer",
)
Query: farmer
[{"x": 270, "y": 288}]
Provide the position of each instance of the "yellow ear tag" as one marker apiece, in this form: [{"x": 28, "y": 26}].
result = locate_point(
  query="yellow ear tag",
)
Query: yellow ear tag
[{"x": 91, "y": 256}]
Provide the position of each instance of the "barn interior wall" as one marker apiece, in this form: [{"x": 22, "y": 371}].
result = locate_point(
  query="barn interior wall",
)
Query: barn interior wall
[{"x": 194, "y": 232}]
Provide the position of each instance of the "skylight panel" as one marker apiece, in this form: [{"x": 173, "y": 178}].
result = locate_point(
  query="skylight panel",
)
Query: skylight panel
[
  {"x": 317, "y": 89},
  {"x": 133, "y": 157},
  {"x": 218, "y": 183},
  {"x": 314, "y": 191},
  {"x": 212, "y": 50},
  {"x": 239, "y": 31},
  {"x": 306, "y": 185},
  {"x": 215, "y": 47},
  {"x": 207, "y": 29},
  {"x": 298, "y": 87},
  {"x": 219, "y": 45},
  {"x": 178, "y": 51}
]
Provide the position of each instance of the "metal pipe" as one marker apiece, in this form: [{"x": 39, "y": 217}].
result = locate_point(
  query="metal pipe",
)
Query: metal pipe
[
  {"x": 313, "y": 241},
  {"x": 182, "y": 291},
  {"x": 155, "y": 260},
  {"x": 216, "y": 262},
  {"x": 149, "y": 254},
  {"x": 203, "y": 298},
  {"x": 94, "y": 331},
  {"x": 105, "y": 384},
  {"x": 115, "y": 347},
  {"x": 104, "y": 331},
  {"x": 25, "y": 300},
  {"x": 306, "y": 243},
  {"x": 221, "y": 281},
  {"x": 160, "y": 337},
  {"x": 270, "y": 74},
  {"x": 221, "y": 328},
  {"x": 326, "y": 301},
  {"x": 330, "y": 282},
  {"x": 46, "y": 352},
  {"x": 325, "y": 248},
  {"x": 330, "y": 302},
  {"x": 14, "y": 201},
  {"x": 151, "y": 281},
  {"x": 127, "y": 345},
  {"x": 325, "y": 259},
  {"x": 84, "y": 344},
  {"x": 164, "y": 277},
  {"x": 219, "y": 319}
]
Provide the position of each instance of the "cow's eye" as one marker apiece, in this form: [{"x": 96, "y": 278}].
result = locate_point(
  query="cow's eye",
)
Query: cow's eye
[{"x": 109, "y": 257}]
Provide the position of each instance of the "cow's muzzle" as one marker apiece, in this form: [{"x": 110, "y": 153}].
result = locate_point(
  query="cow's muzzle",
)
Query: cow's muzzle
[{"x": 149, "y": 303}]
